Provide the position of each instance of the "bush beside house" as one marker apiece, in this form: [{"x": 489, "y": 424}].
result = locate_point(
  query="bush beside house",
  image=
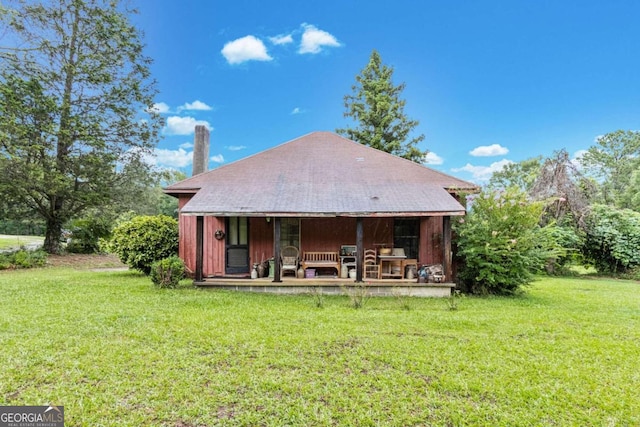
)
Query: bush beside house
[
  {"x": 500, "y": 243},
  {"x": 167, "y": 272},
  {"x": 143, "y": 240}
]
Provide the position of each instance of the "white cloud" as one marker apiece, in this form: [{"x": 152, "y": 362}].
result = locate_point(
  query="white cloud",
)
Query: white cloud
[
  {"x": 281, "y": 39},
  {"x": 297, "y": 110},
  {"x": 248, "y": 48},
  {"x": 483, "y": 173},
  {"x": 186, "y": 145},
  {"x": 235, "y": 147},
  {"x": 173, "y": 158},
  {"x": 164, "y": 158},
  {"x": 489, "y": 150},
  {"x": 432, "y": 159},
  {"x": 183, "y": 125},
  {"x": 577, "y": 159},
  {"x": 218, "y": 158},
  {"x": 160, "y": 108},
  {"x": 578, "y": 154},
  {"x": 313, "y": 40},
  {"x": 195, "y": 105}
]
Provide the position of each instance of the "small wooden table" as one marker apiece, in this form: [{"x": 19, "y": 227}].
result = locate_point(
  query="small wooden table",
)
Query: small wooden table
[{"x": 391, "y": 266}]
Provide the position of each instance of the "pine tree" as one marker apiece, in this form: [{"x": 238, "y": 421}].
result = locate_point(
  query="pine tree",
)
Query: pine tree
[{"x": 377, "y": 107}]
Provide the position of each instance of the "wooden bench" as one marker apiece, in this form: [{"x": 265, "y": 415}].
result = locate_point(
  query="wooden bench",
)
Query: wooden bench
[{"x": 321, "y": 260}]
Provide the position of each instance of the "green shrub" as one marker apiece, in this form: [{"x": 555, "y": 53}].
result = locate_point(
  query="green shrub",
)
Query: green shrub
[
  {"x": 86, "y": 234},
  {"x": 6, "y": 261},
  {"x": 143, "y": 240},
  {"x": 37, "y": 258},
  {"x": 568, "y": 241},
  {"x": 612, "y": 241},
  {"x": 500, "y": 243},
  {"x": 167, "y": 272},
  {"x": 23, "y": 259}
]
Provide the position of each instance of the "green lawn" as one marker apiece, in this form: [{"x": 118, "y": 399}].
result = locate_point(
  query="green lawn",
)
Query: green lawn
[{"x": 117, "y": 352}]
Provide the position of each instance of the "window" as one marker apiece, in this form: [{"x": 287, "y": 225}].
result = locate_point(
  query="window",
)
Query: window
[
  {"x": 406, "y": 234},
  {"x": 290, "y": 232},
  {"x": 238, "y": 231}
]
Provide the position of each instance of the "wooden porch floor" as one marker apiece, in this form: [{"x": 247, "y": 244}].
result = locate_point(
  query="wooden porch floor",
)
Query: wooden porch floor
[{"x": 328, "y": 285}]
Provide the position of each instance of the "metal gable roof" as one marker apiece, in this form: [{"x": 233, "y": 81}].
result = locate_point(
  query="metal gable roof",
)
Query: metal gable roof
[{"x": 322, "y": 174}]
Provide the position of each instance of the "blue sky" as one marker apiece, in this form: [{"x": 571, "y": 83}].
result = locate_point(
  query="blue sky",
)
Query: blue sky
[{"x": 490, "y": 81}]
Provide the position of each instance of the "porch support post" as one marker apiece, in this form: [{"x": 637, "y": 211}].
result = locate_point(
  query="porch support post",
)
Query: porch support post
[
  {"x": 199, "y": 247},
  {"x": 359, "y": 249},
  {"x": 276, "y": 249},
  {"x": 446, "y": 247}
]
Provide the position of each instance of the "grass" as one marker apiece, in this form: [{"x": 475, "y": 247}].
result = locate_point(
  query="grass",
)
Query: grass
[
  {"x": 117, "y": 352},
  {"x": 15, "y": 242}
]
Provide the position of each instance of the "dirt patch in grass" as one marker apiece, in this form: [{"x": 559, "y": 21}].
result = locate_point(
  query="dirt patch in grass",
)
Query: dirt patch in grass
[{"x": 86, "y": 261}]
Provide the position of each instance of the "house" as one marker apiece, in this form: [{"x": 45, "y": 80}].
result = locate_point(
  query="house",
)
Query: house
[{"x": 318, "y": 193}]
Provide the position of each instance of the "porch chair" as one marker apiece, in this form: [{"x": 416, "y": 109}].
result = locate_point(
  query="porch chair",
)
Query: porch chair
[
  {"x": 289, "y": 259},
  {"x": 371, "y": 268}
]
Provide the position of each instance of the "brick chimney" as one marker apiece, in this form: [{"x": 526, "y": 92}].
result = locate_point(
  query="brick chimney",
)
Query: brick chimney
[{"x": 200, "y": 150}]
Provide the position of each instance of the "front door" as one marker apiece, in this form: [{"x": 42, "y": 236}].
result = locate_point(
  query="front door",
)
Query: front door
[{"x": 237, "y": 245}]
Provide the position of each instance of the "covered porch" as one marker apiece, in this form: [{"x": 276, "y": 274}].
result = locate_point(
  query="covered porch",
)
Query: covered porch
[{"x": 429, "y": 243}]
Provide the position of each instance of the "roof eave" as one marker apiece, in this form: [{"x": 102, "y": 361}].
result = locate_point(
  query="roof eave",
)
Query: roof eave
[
  {"x": 327, "y": 214},
  {"x": 176, "y": 192}
]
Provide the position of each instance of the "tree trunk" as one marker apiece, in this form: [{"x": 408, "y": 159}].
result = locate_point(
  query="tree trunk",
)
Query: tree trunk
[{"x": 53, "y": 235}]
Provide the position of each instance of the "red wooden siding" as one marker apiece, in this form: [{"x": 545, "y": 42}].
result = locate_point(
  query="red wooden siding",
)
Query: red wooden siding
[
  {"x": 328, "y": 234},
  {"x": 316, "y": 234},
  {"x": 260, "y": 239},
  {"x": 431, "y": 240},
  {"x": 213, "y": 263}
]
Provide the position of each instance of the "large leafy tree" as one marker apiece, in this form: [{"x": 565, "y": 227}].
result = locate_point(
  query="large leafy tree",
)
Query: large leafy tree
[
  {"x": 613, "y": 160},
  {"x": 74, "y": 83},
  {"x": 630, "y": 197},
  {"x": 377, "y": 108},
  {"x": 149, "y": 199},
  {"x": 522, "y": 175}
]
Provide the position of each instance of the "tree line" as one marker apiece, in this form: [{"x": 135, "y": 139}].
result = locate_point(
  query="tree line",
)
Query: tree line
[{"x": 569, "y": 211}]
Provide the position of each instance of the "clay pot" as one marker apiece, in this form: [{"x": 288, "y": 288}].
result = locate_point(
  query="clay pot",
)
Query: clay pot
[{"x": 260, "y": 270}]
